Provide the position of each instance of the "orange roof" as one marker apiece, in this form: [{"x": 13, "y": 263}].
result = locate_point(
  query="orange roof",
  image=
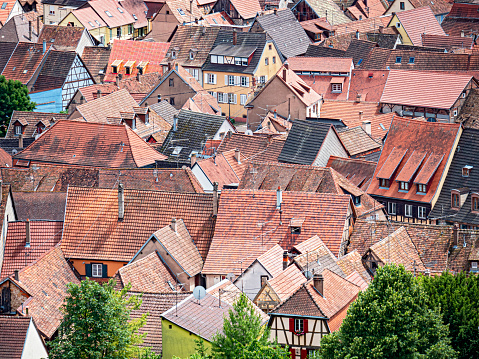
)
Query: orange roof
[
  {"x": 109, "y": 11},
  {"x": 246, "y": 9},
  {"x": 248, "y": 225},
  {"x": 369, "y": 84},
  {"x": 320, "y": 64},
  {"x": 217, "y": 18},
  {"x": 419, "y": 88},
  {"x": 91, "y": 144},
  {"x": 272, "y": 260},
  {"x": 407, "y": 137},
  {"x": 419, "y": 21},
  {"x": 355, "y": 278},
  {"x": 90, "y": 236},
  {"x": 134, "y": 53},
  {"x": 367, "y": 25},
  {"x": 309, "y": 245},
  {"x": 257, "y": 147},
  {"x": 89, "y": 18},
  {"x": 24, "y": 61},
  {"x": 287, "y": 282},
  {"x": 5, "y": 12},
  {"x": 302, "y": 91},
  {"x": 106, "y": 107},
  {"x": 359, "y": 172},
  {"x": 322, "y": 85},
  {"x": 353, "y": 263},
  {"x": 349, "y": 111}
]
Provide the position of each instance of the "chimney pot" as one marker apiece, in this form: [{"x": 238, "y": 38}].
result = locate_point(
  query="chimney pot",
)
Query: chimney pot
[
  {"x": 15, "y": 275},
  {"x": 30, "y": 30},
  {"x": 284, "y": 73},
  {"x": 285, "y": 260},
  {"x": 20, "y": 140},
  {"x": 275, "y": 11},
  {"x": 193, "y": 159},
  {"x": 27, "y": 233},
  {"x": 318, "y": 282},
  {"x": 173, "y": 225},
  {"x": 121, "y": 202},
  {"x": 215, "y": 199},
  {"x": 237, "y": 156},
  {"x": 367, "y": 127},
  {"x": 274, "y": 113},
  {"x": 279, "y": 198}
]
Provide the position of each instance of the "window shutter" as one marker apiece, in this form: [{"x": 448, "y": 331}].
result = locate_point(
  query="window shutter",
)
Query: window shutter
[
  {"x": 214, "y": 79},
  {"x": 291, "y": 324},
  {"x": 247, "y": 82},
  {"x": 206, "y": 78},
  {"x": 235, "y": 99},
  {"x": 227, "y": 83},
  {"x": 237, "y": 80},
  {"x": 305, "y": 325},
  {"x": 215, "y": 95},
  {"x": 88, "y": 270},
  {"x": 304, "y": 353},
  {"x": 265, "y": 78},
  {"x": 293, "y": 353},
  {"x": 104, "y": 270}
]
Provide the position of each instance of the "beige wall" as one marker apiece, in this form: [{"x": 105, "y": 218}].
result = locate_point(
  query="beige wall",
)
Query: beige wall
[
  {"x": 164, "y": 23},
  {"x": 59, "y": 13},
  {"x": 280, "y": 332},
  {"x": 180, "y": 91}
]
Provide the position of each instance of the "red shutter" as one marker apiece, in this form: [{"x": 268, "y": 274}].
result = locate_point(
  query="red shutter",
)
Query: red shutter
[
  {"x": 305, "y": 325},
  {"x": 291, "y": 324},
  {"x": 304, "y": 353},
  {"x": 293, "y": 353}
]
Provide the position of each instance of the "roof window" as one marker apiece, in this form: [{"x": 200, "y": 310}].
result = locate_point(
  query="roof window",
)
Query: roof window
[
  {"x": 4, "y": 6},
  {"x": 134, "y": 17},
  {"x": 120, "y": 10},
  {"x": 398, "y": 59},
  {"x": 98, "y": 22},
  {"x": 108, "y": 13},
  {"x": 177, "y": 150},
  {"x": 466, "y": 171},
  {"x": 359, "y": 62},
  {"x": 411, "y": 60},
  {"x": 182, "y": 13},
  {"x": 91, "y": 24}
]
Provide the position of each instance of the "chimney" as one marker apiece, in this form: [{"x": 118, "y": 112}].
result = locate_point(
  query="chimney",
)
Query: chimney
[
  {"x": 27, "y": 233},
  {"x": 121, "y": 202},
  {"x": 237, "y": 156},
  {"x": 30, "y": 30},
  {"x": 176, "y": 67},
  {"x": 38, "y": 25},
  {"x": 279, "y": 198},
  {"x": 117, "y": 81},
  {"x": 173, "y": 225},
  {"x": 275, "y": 113},
  {"x": 285, "y": 260},
  {"x": 169, "y": 66},
  {"x": 286, "y": 65},
  {"x": 15, "y": 275},
  {"x": 44, "y": 46},
  {"x": 20, "y": 140},
  {"x": 193, "y": 159},
  {"x": 175, "y": 123},
  {"x": 98, "y": 93},
  {"x": 275, "y": 11},
  {"x": 366, "y": 125},
  {"x": 357, "y": 34},
  {"x": 138, "y": 77},
  {"x": 455, "y": 234},
  {"x": 358, "y": 97},
  {"x": 215, "y": 199},
  {"x": 191, "y": 6},
  {"x": 318, "y": 283},
  {"x": 360, "y": 115},
  {"x": 381, "y": 29},
  {"x": 235, "y": 37},
  {"x": 285, "y": 70}
]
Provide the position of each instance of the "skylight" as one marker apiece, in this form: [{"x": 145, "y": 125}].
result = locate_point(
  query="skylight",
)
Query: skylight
[
  {"x": 177, "y": 150},
  {"x": 120, "y": 10},
  {"x": 91, "y": 24},
  {"x": 98, "y": 22},
  {"x": 214, "y": 20},
  {"x": 4, "y": 6},
  {"x": 134, "y": 17},
  {"x": 182, "y": 13},
  {"x": 108, "y": 13}
]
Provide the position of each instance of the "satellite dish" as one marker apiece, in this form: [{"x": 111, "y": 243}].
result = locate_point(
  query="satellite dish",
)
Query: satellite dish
[
  {"x": 199, "y": 292},
  {"x": 308, "y": 275},
  {"x": 230, "y": 276},
  {"x": 248, "y": 132}
]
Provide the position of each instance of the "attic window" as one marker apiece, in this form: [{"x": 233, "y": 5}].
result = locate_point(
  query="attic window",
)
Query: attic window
[
  {"x": 398, "y": 25},
  {"x": 173, "y": 54},
  {"x": 455, "y": 203},
  {"x": 120, "y": 10},
  {"x": 114, "y": 69},
  {"x": 336, "y": 88},
  {"x": 475, "y": 202},
  {"x": 421, "y": 188},
  {"x": 398, "y": 59},
  {"x": 295, "y": 230},
  {"x": 411, "y": 60},
  {"x": 98, "y": 22},
  {"x": 4, "y": 6},
  {"x": 91, "y": 24},
  {"x": 134, "y": 17},
  {"x": 404, "y": 186},
  {"x": 18, "y": 130},
  {"x": 182, "y": 13},
  {"x": 357, "y": 200},
  {"x": 383, "y": 183},
  {"x": 108, "y": 13},
  {"x": 177, "y": 150},
  {"x": 192, "y": 55},
  {"x": 25, "y": 71},
  {"x": 466, "y": 170}
]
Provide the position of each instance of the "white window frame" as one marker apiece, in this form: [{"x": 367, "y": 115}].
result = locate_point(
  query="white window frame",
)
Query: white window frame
[
  {"x": 244, "y": 81},
  {"x": 404, "y": 186},
  {"x": 231, "y": 80},
  {"x": 97, "y": 270},
  {"x": 421, "y": 212},
  {"x": 220, "y": 97},
  {"x": 52, "y": 10},
  {"x": 211, "y": 79},
  {"x": 214, "y": 59},
  {"x": 238, "y": 61},
  {"x": 392, "y": 208},
  {"x": 407, "y": 210},
  {"x": 298, "y": 325},
  {"x": 421, "y": 188},
  {"x": 262, "y": 79},
  {"x": 243, "y": 99},
  {"x": 336, "y": 88},
  {"x": 18, "y": 130}
]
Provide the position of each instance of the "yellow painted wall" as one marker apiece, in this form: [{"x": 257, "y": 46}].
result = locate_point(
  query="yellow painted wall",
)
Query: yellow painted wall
[
  {"x": 405, "y": 38},
  {"x": 71, "y": 18},
  {"x": 177, "y": 341},
  {"x": 271, "y": 69},
  {"x": 113, "y": 266}
]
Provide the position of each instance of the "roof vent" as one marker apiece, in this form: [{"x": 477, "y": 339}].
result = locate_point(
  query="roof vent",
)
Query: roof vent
[{"x": 279, "y": 198}]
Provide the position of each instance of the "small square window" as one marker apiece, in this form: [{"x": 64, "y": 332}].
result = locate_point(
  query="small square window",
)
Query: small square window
[
  {"x": 173, "y": 54},
  {"x": 270, "y": 47},
  {"x": 298, "y": 325},
  {"x": 295, "y": 230},
  {"x": 398, "y": 59},
  {"x": 398, "y": 25},
  {"x": 404, "y": 186},
  {"x": 336, "y": 88},
  {"x": 97, "y": 270},
  {"x": 411, "y": 60},
  {"x": 4, "y": 6},
  {"x": 466, "y": 171},
  {"x": 192, "y": 55},
  {"x": 172, "y": 101},
  {"x": 421, "y": 188},
  {"x": 402, "y": 5},
  {"x": 454, "y": 113},
  {"x": 171, "y": 83},
  {"x": 266, "y": 61},
  {"x": 408, "y": 210}
]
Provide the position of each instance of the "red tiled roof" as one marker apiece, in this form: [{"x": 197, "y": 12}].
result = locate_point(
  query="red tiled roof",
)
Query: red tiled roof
[
  {"x": 44, "y": 235},
  {"x": 5, "y": 159},
  {"x": 62, "y": 37},
  {"x": 137, "y": 8},
  {"x": 309, "y": 245},
  {"x": 46, "y": 280},
  {"x": 367, "y": 83},
  {"x": 348, "y": 111},
  {"x": 107, "y": 107},
  {"x": 287, "y": 282},
  {"x": 367, "y": 25},
  {"x": 298, "y": 87},
  {"x": 419, "y": 21},
  {"x": 357, "y": 141},
  {"x": 272, "y": 260},
  {"x": 246, "y": 9},
  {"x": 359, "y": 172},
  {"x": 353, "y": 263},
  {"x": 87, "y": 235},
  {"x": 322, "y": 86},
  {"x": 184, "y": 5},
  {"x": 89, "y": 18},
  {"x": 257, "y": 147},
  {"x": 464, "y": 11},
  {"x": 13, "y": 333},
  {"x": 416, "y": 88},
  {"x": 30, "y": 120},
  {"x": 320, "y": 64},
  {"x": 24, "y": 62},
  {"x": 217, "y": 18},
  {"x": 134, "y": 53},
  {"x": 91, "y": 144},
  {"x": 405, "y": 137},
  {"x": 117, "y": 18},
  {"x": 248, "y": 224},
  {"x": 447, "y": 42},
  {"x": 438, "y": 7},
  {"x": 4, "y": 13}
]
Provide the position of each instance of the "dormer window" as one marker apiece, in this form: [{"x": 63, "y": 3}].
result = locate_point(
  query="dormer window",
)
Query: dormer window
[
  {"x": 18, "y": 130},
  {"x": 383, "y": 183},
  {"x": 173, "y": 54},
  {"x": 336, "y": 88},
  {"x": 114, "y": 69},
  {"x": 466, "y": 171},
  {"x": 295, "y": 225},
  {"x": 192, "y": 55},
  {"x": 404, "y": 186},
  {"x": 421, "y": 188},
  {"x": 357, "y": 200},
  {"x": 455, "y": 200},
  {"x": 475, "y": 202},
  {"x": 398, "y": 59}
]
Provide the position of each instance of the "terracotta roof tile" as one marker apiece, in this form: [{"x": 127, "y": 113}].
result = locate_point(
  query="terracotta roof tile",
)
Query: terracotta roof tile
[
  {"x": 322, "y": 86},
  {"x": 352, "y": 263},
  {"x": 320, "y": 64},
  {"x": 457, "y": 26},
  {"x": 272, "y": 260},
  {"x": 24, "y": 61},
  {"x": 31, "y": 120},
  {"x": 46, "y": 280},
  {"x": 223, "y": 168},
  {"x": 253, "y": 147},
  {"x": 419, "y": 21},
  {"x": 246, "y": 9},
  {"x": 96, "y": 59},
  {"x": 369, "y": 84},
  {"x": 308, "y": 245},
  {"x": 180, "y": 246},
  {"x": 318, "y": 260},
  {"x": 148, "y": 274},
  {"x": 298, "y": 87},
  {"x": 117, "y": 19},
  {"x": 366, "y": 25},
  {"x": 357, "y": 141},
  {"x": 358, "y": 172},
  {"x": 139, "y": 9},
  {"x": 287, "y": 282},
  {"x": 440, "y": 7},
  {"x": 348, "y": 111},
  {"x": 184, "y": 5},
  {"x": 65, "y": 38},
  {"x": 145, "y": 212},
  {"x": 91, "y": 144},
  {"x": 332, "y": 10},
  {"x": 13, "y": 334},
  {"x": 447, "y": 42},
  {"x": 248, "y": 225},
  {"x": 5, "y": 13},
  {"x": 356, "y": 278},
  {"x": 5, "y": 159},
  {"x": 216, "y": 18}
]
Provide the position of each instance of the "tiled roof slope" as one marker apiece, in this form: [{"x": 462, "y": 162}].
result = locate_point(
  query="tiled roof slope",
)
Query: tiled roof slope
[
  {"x": 457, "y": 27},
  {"x": 318, "y": 260},
  {"x": 63, "y": 37},
  {"x": 323, "y": 51},
  {"x": 432, "y": 242},
  {"x": 154, "y": 304},
  {"x": 257, "y": 147},
  {"x": 349, "y": 111},
  {"x": 367, "y": 83},
  {"x": 117, "y": 19},
  {"x": 429, "y": 145},
  {"x": 85, "y": 236},
  {"x": 438, "y": 7},
  {"x": 359, "y": 50},
  {"x": 469, "y": 113},
  {"x": 186, "y": 6},
  {"x": 318, "y": 64},
  {"x": 465, "y": 156},
  {"x": 447, "y": 42},
  {"x": 54, "y": 71},
  {"x": 308, "y": 245},
  {"x": 4, "y": 13},
  {"x": 247, "y": 9},
  {"x": 223, "y": 168},
  {"x": 286, "y": 31},
  {"x": 49, "y": 178},
  {"x": 289, "y": 280},
  {"x": 357, "y": 141},
  {"x": 44, "y": 235},
  {"x": 30, "y": 120},
  {"x": 359, "y": 172},
  {"x": 204, "y": 320},
  {"x": 272, "y": 260},
  {"x": 17, "y": 29},
  {"x": 5, "y": 158},
  {"x": 46, "y": 280},
  {"x": 91, "y": 144},
  {"x": 330, "y": 10},
  {"x": 304, "y": 142},
  {"x": 135, "y": 52},
  {"x": 256, "y": 226},
  {"x": 352, "y": 263},
  {"x": 96, "y": 59},
  {"x": 7, "y": 50},
  {"x": 180, "y": 246},
  {"x": 139, "y": 9},
  {"x": 419, "y": 21},
  {"x": 415, "y": 88},
  {"x": 13, "y": 333},
  {"x": 24, "y": 61},
  {"x": 148, "y": 275},
  {"x": 40, "y": 205},
  {"x": 165, "y": 110},
  {"x": 367, "y": 25}
]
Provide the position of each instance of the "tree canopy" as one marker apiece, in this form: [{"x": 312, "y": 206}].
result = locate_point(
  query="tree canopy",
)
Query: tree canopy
[
  {"x": 393, "y": 318},
  {"x": 13, "y": 97}
]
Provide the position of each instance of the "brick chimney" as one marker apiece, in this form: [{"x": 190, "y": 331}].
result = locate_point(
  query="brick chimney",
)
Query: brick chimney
[
  {"x": 235, "y": 37},
  {"x": 318, "y": 282},
  {"x": 193, "y": 159},
  {"x": 215, "y": 199},
  {"x": 173, "y": 225},
  {"x": 121, "y": 202},
  {"x": 285, "y": 260}
]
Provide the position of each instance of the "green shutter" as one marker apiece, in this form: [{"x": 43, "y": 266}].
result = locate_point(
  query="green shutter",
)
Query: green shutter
[
  {"x": 88, "y": 270},
  {"x": 104, "y": 270}
]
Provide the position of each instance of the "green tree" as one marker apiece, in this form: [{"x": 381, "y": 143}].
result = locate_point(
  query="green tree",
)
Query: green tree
[
  {"x": 391, "y": 319},
  {"x": 13, "y": 96},
  {"x": 244, "y": 337},
  {"x": 457, "y": 296},
  {"x": 96, "y": 323}
]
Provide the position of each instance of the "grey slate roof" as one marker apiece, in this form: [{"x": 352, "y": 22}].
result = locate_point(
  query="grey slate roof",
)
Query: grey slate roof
[
  {"x": 359, "y": 50},
  {"x": 466, "y": 155},
  {"x": 323, "y": 51},
  {"x": 11, "y": 145},
  {"x": 192, "y": 131},
  {"x": 72, "y": 3},
  {"x": 244, "y": 40},
  {"x": 304, "y": 141},
  {"x": 165, "y": 110},
  {"x": 387, "y": 41},
  {"x": 286, "y": 32}
]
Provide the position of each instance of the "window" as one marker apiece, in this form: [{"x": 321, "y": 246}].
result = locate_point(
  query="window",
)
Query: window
[
  {"x": 18, "y": 130},
  {"x": 383, "y": 183},
  {"x": 421, "y": 188},
  {"x": 97, "y": 22},
  {"x": 391, "y": 208},
  {"x": 466, "y": 171},
  {"x": 266, "y": 61},
  {"x": 118, "y": 32},
  {"x": 404, "y": 186},
  {"x": 411, "y": 60},
  {"x": 128, "y": 70},
  {"x": 243, "y": 99},
  {"x": 134, "y": 17},
  {"x": 172, "y": 101},
  {"x": 454, "y": 113},
  {"x": 455, "y": 200},
  {"x": 402, "y": 5},
  {"x": 232, "y": 98},
  {"x": 238, "y": 61},
  {"x": 398, "y": 25},
  {"x": 130, "y": 29},
  {"x": 298, "y": 325},
  {"x": 159, "y": 98},
  {"x": 173, "y": 54},
  {"x": 295, "y": 230},
  {"x": 398, "y": 59},
  {"x": 211, "y": 79},
  {"x": 182, "y": 13},
  {"x": 408, "y": 210},
  {"x": 108, "y": 13},
  {"x": 214, "y": 59},
  {"x": 172, "y": 82},
  {"x": 120, "y": 10},
  {"x": 244, "y": 81},
  {"x": 475, "y": 203},
  {"x": 421, "y": 212},
  {"x": 262, "y": 79},
  {"x": 270, "y": 47},
  {"x": 96, "y": 270},
  {"x": 357, "y": 200},
  {"x": 231, "y": 80},
  {"x": 473, "y": 266},
  {"x": 192, "y": 55},
  {"x": 220, "y": 97},
  {"x": 274, "y": 59},
  {"x": 91, "y": 24},
  {"x": 244, "y": 61},
  {"x": 264, "y": 278},
  {"x": 52, "y": 9},
  {"x": 336, "y": 88}
]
